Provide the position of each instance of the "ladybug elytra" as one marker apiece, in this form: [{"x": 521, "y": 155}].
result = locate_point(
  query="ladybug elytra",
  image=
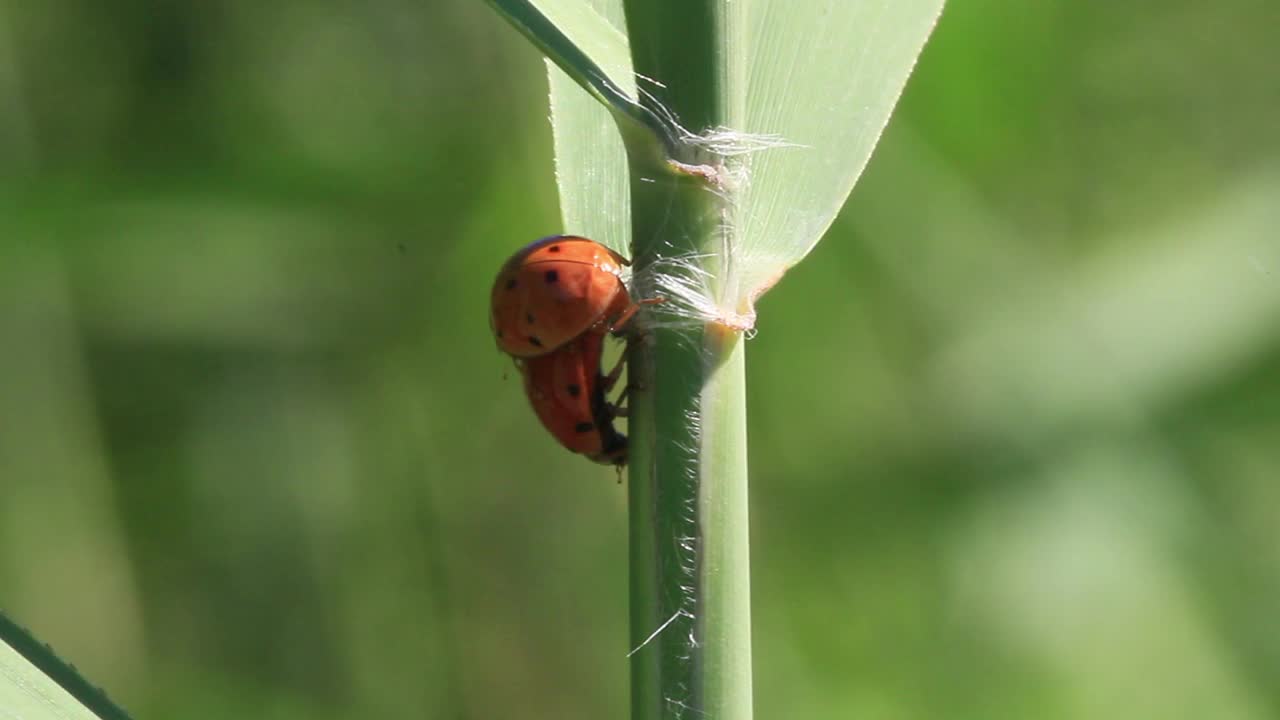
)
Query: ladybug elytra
[
  {"x": 555, "y": 289},
  {"x": 568, "y": 394}
]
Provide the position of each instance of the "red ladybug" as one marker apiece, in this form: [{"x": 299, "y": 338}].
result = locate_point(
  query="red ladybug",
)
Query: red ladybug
[
  {"x": 554, "y": 290},
  {"x": 567, "y": 391}
]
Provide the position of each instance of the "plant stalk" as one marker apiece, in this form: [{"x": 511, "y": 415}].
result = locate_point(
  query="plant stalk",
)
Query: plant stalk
[{"x": 690, "y": 579}]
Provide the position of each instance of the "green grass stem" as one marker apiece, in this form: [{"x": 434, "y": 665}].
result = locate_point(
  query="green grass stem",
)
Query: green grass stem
[{"x": 690, "y": 580}]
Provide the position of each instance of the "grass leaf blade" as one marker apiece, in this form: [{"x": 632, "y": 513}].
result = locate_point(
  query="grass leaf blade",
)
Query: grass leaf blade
[
  {"x": 818, "y": 80},
  {"x": 591, "y": 162},
  {"x": 591, "y": 49},
  {"x": 36, "y": 685}
]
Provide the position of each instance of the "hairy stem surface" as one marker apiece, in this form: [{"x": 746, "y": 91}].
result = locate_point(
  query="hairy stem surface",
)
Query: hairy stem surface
[{"x": 690, "y": 582}]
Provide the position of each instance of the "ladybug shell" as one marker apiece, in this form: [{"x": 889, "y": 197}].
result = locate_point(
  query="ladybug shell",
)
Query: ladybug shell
[
  {"x": 567, "y": 392},
  {"x": 552, "y": 291}
]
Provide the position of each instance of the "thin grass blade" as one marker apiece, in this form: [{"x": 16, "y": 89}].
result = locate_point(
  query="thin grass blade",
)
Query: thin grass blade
[
  {"x": 810, "y": 87},
  {"x": 591, "y": 162},
  {"x": 592, "y": 50},
  {"x": 36, "y": 685}
]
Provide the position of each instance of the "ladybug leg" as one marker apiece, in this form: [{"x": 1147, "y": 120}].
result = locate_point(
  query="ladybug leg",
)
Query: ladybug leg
[
  {"x": 617, "y": 326},
  {"x": 618, "y": 408},
  {"x": 633, "y": 383},
  {"x": 608, "y": 381},
  {"x": 621, "y": 322}
]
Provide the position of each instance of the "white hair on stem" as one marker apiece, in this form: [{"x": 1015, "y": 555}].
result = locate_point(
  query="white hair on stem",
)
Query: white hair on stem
[
  {"x": 692, "y": 296},
  {"x": 697, "y": 289}
]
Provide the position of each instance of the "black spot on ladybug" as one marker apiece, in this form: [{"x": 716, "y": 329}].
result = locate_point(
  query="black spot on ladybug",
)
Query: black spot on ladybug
[
  {"x": 554, "y": 248},
  {"x": 551, "y": 276},
  {"x": 534, "y": 341},
  {"x": 574, "y": 390},
  {"x": 529, "y": 317},
  {"x": 511, "y": 284},
  {"x": 499, "y": 334},
  {"x": 584, "y": 427}
]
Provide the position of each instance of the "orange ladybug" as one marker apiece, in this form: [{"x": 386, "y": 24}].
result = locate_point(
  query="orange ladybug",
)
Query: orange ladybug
[
  {"x": 555, "y": 289},
  {"x": 567, "y": 391}
]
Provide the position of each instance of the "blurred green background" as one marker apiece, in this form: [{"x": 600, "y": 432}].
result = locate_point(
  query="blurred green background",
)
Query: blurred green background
[{"x": 1015, "y": 424}]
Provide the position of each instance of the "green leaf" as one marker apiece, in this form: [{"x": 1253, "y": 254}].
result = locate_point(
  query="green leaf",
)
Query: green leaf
[
  {"x": 583, "y": 38},
  {"x": 591, "y": 162},
  {"x": 821, "y": 78},
  {"x": 578, "y": 39},
  {"x": 36, "y": 685}
]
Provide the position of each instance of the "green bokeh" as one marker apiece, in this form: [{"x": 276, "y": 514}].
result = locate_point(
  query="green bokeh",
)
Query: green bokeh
[{"x": 1015, "y": 423}]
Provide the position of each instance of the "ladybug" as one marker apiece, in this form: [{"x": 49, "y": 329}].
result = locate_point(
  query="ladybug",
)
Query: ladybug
[
  {"x": 555, "y": 289},
  {"x": 567, "y": 391}
]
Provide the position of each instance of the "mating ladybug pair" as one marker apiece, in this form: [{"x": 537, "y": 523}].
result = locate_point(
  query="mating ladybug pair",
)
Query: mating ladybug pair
[{"x": 553, "y": 304}]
